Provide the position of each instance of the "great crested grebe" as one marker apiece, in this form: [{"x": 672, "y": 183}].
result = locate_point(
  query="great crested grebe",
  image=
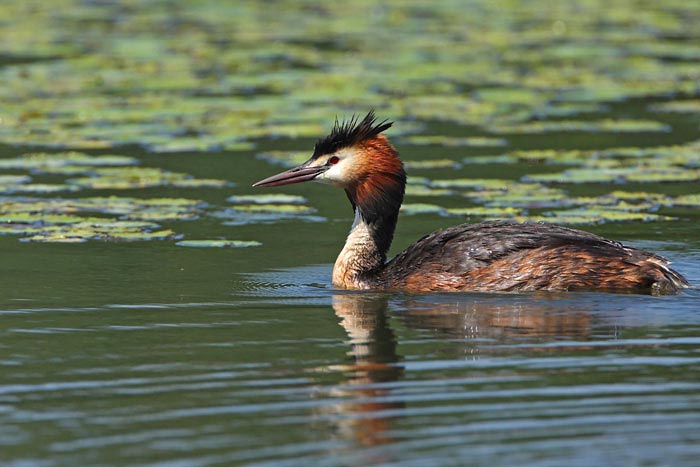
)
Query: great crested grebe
[{"x": 485, "y": 257}]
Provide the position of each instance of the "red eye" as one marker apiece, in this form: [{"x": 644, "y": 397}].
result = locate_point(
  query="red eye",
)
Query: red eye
[{"x": 334, "y": 160}]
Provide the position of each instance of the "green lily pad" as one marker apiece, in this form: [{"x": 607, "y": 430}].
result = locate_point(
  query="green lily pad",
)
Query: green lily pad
[
  {"x": 253, "y": 213},
  {"x": 452, "y": 141},
  {"x": 284, "y": 158},
  {"x": 482, "y": 183},
  {"x": 291, "y": 130},
  {"x": 692, "y": 200},
  {"x": 521, "y": 195},
  {"x": 553, "y": 156},
  {"x": 63, "y": 170},
  {"x": 569, "y": 109},
  {"x": 133, "y": 207},
  {"x": 162, "y": 215},
  {"x": 59, "y": 220},
  {"x": 501, "y": 159},
  {"x": 669, "y": 49},
  {"x": 412, "y": 180},
  {"x": 55, "y": 238},
  {"x": 432, "y": 164},
  {"x": 579, "y": 176},
  {"x": 18, "y": 229},
  {"x": 36, "y": 188},
  {"x": 198, "y": 144},
  {"x": 665, "y": 175},
  {"x": 106, "y": 225},
  {"x": 201, "y": 183},
  {"x": 117, "y": 178},
  {"x": 592, "y": 216},
  {"x": 46, "y": 161},
  {"x": 607, "y": 126},
  {"x": 38, "y": 218},
  {"x": 634, "y": 195},
  {"x": 687, "y": 106},
  {"x": 268, "y": 198},
  {"x": 274, "y": 208},
  {"x": 619, "y": 205},
  {"x": 484, "y": 211},
  {"x": 596, "y": 93},
  {"x": 14, "y": 179},
  {"x": 410, "y": 209},
  {"x": 421, "y": 190},
  {"x": 218, "y": 243},
  {"x": 101, "y": 230},
  {"x": 510, "y": 95}
]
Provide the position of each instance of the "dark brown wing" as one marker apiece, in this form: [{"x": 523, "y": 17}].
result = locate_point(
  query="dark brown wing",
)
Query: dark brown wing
[{"x": 506, "y": 256}]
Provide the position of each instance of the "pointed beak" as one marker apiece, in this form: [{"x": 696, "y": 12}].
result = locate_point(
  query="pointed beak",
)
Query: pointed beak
[{"x": 302, "y": 173}]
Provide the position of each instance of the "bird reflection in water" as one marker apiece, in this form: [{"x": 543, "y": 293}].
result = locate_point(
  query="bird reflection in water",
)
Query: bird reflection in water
[
  {"x": 373, "y": 361},
  {"x": 467, "y": 326},
  {"x": 493, "y": 319}
]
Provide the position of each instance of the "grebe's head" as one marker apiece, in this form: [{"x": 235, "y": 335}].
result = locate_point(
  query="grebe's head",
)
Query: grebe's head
[{"x": 354, "y": 152}]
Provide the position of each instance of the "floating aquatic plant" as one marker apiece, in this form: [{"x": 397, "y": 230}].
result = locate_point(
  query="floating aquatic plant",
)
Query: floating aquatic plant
[
  {"x": 521, "y": 195},
  {"x": 285, "y": 158},
  {"x": 218, "y": 243},
  {"x": 267, "y": 198},
  {"x": 610, "y": 126},
  {"x": 274, "y": 208},
  {"x": 177, "y": 92},
  {"x": 619, "y": 175},
  {"x": 61, "y": 220},
  {"x": 221, "y": 82},
  {"x": 687, "y": 106},
  {"x": 479, "y": 183},
  {"x": 692, "y": 200},
  {"x": 244, "y": 214},
  {"x": 83, "y": 233},
  {"x": 118, "y": 178},
  {"x": 593, "y": 215},
  {"x": 421, "y": 208},
  {"x": 470, "y": 141},
  {"x": 484, "y": 211},
  {"x": 46, "y": 162},
  {"x": 422, "y": 190}
]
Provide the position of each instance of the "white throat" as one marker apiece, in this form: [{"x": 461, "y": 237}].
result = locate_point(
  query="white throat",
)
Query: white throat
[{"x": 355, "y": 257}]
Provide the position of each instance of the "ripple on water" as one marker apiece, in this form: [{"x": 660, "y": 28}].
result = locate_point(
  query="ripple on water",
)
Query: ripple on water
[{"x": 288, "y": 372}]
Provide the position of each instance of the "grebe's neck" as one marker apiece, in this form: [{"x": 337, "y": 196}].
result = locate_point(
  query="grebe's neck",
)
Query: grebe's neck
[{"x": 376, "y": 200}]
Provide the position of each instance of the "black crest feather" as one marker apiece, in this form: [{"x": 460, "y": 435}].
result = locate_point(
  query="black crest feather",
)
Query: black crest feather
[{"x": 350, "y": 133}]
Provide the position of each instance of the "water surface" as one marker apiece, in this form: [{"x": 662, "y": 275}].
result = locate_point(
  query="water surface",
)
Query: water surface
[
  {"x": 276, "y": 367},
  {"x": 117, "y": 352}
]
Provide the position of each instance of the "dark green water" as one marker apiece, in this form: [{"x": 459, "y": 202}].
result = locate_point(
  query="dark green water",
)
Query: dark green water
[{"x": 148, "y": 353}]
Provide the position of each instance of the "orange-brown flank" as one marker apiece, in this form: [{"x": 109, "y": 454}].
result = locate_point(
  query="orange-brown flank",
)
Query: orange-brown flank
[{"x": 560, "y": 268}]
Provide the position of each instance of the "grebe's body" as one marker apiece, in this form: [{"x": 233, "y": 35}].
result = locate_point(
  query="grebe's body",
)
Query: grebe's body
[
  {"x": 487, "y": 257},
  {"x": 506, "y": 256}
]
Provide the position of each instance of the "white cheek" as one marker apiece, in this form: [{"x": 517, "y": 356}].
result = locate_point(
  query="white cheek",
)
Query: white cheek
[
  {"x": 339, "y": 174},
  {"x": 323, "y": 178},
  {"x": 334, "y": 176}
]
